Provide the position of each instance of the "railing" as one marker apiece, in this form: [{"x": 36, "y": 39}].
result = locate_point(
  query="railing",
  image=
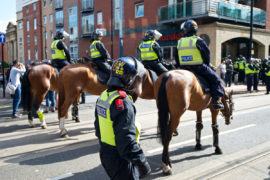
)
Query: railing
[
  {"x": 58, "y": 4},
  {"x": 87, "y": 5},
  {"x": 87, "y": 29},
  {"x": 212, "y": 8},
  {"x": 59, "y": 21}
]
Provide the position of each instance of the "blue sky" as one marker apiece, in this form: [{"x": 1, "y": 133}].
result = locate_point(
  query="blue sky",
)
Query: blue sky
[{"x": 7, "y": 13}]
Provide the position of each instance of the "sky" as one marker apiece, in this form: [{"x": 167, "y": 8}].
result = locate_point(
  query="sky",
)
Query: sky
[{"x": 7, "y": 13}]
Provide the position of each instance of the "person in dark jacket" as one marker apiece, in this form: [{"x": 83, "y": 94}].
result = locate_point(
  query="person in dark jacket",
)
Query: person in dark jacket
[
  {"x": 99, "y": 53},
  {"x": 229, "y": 73},
  {"x": 120, "y": 154},
  {"x": 60, "y": 53},
  {"x": 267, "y": 76},
  {"x": 193, "y": 54},
  {"x": 256, "y": 74},
  {"x": 150, "y": 52}
]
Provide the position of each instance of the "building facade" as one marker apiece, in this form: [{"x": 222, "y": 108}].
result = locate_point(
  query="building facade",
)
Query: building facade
[
  {"x": 11, "y": 42},
  {"x": 20, "y": 35},
  {"x": 224, "y": 24}
]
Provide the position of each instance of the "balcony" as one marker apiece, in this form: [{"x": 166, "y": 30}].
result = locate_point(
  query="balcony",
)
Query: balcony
[
  {"x": 87, "y": 30},
  {"x": 87, "y": 6},
  {"x": 219, "y": 9},
  {"x": 58, "y": 4},
  {"x": 59, "y": 22}
]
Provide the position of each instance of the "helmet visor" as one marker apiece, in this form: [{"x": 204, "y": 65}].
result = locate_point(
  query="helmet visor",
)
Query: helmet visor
[
  {"x": 157, "y": 34},
  {"x": 65, "y": 34}
]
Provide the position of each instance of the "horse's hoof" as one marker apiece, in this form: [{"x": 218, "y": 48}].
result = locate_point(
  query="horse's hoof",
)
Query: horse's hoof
[
  {"x": 175, "y": 133},
  {"x": 198, "y": 147},
  {"x": 167, "y": 170},
  {"x": 76, "y": 119},
  {"x": 64, "y": 133},
  {"x": 43, "y": 127},
  {"x": 31, "y": 125},
  {"x": 218, "y": 151},
  {"x": 64, "y": 136}
]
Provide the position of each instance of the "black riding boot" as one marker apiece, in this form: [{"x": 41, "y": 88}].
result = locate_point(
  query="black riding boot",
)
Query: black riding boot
[{"x": 217, "y": 104}]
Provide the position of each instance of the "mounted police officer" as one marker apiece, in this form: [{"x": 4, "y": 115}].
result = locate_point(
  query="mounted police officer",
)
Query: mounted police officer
[
  {"x": 151, "y": 54},
  {"x": 193, "y": 54},
  {"x": 120, "y": 154},
  {"x": 249, "y": 71},
  {"x": 99, "y": 53},
  {"x": 60, "y": 53}
]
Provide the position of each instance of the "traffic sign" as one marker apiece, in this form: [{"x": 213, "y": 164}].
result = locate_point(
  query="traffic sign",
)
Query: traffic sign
[{"x": 2, "y": 38}]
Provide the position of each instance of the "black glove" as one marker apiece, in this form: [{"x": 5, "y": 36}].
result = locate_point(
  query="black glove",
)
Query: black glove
[{"x": 144, "y": 169}]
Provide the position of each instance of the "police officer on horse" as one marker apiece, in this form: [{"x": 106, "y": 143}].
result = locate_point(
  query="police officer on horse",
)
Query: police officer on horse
[
  {"x": 99, "y": 53},
  {"x": 193, "y": 54},
  {"x": 151, "y": 54},
  {"x": 60, "y": 53},
  {"x": 120, "y": 154}
]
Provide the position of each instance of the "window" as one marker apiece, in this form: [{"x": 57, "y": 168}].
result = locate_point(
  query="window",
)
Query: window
[
  {"x": 34, "y": 6},
  {"x": 35, "y": 38},
  {"x": 20, "y": 41},
  {"x": 116, "y": 14},
  {"x": 73, "y": 51},
  {"x": 20, "y": 25},
  {"x": 27, "y": 9},
  {"x": 87, "y": 24},
  {"x": 45, "y": 35},
  {"x": 139, "y": 10},
  {"x": 29, "y": 54},
  {"x": 51, "y": 18},
  {"x": 27, "y": 25},
  {"x": 35, "y": 23},
  {"x": 44, "y": 3},
  {"x": 51, "y": 3},
  {"x": 58, "y": 4},
  {"x": 99, "y": 18},
  {"x": 36, "y": 54},
  {"x": 87, "y": 4},
  {"x": 45, "y": 19},
  {"x": 59, "y": 17},
  {"x": 51, "y": 35},
  {"x": 73, "y": 22},
  {"x": 28, "y": 39}
]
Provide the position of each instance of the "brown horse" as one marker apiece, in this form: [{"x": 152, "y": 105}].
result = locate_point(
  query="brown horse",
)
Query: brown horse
[
  {"x": 177, "y": 91},
  {"x": 36, "y": 83},
  {"x": 82, "y": 77}
]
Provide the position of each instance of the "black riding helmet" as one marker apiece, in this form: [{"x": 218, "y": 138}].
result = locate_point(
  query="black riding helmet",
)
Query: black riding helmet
[
  {"x": 150, "y": 34},
  {"x": 123, "y": 73},
  {"x": 59, "y": 35},
  {"x": 97, "y": 33},
  {"x": 189, "y": 27}
]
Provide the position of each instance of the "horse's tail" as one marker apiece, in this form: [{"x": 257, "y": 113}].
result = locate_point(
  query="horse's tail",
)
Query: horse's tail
[
  {"x": 163, "y": 112},
  {"x": 26, "y": 92},
  {"x": 61, "y": 95}
]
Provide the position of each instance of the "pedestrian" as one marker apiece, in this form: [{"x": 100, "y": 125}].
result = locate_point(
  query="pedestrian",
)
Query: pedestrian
[
  {"x": 236, "y": 70},
  {"x": 249, "y": 71},
  {"x": 151, "y": 53},
  {"x": 15, "y": 73},
  {"x": 267, "y": 77},
  {"x": 120, "y": 154},
  {"x": 256, "y": 75},
  {"x": 229, "y": 73},
  {"x": 193, "y": 54},
  {"x": 222, "y": 67},
  {"x": 50, "y": 101}
]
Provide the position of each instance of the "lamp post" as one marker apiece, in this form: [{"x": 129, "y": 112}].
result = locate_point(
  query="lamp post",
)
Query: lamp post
[
  {"x": 45, "y": 39},
  {"x": 250, "y": 48}
]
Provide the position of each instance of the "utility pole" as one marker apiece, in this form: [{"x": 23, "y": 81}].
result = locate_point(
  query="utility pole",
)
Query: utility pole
[
  {"x": 45, "y": 39},
  {"x": 250, "y": 47},
  {"x": 121, "y": 28},
  {"x": 112, "y": 27}
]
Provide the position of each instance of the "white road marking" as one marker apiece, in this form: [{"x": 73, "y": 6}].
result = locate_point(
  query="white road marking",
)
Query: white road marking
[
  {"x": 61, "y": 176},
  {"x": 204, "y": 137}
]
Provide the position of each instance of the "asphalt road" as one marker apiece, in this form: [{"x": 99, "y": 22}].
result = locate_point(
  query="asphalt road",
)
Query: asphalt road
[{"x": 41, "y": 154}]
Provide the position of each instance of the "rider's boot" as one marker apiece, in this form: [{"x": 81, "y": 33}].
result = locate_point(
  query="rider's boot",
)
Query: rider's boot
[{"x": 217, "y": 104}]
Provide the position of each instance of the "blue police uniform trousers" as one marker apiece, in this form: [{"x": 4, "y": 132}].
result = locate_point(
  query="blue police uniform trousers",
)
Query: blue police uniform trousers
[
  {"x": 155, "y": 65},
  {"x": 255, "y": 81},
  {"x": 267, "y": 83},
  {"x": 60, "y": 63},
  {"x": 249, "y": 81},
  {"x": 216, "y": 89}
]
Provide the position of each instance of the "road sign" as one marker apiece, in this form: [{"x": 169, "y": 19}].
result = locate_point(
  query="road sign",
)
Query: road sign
[{"x": 2, "y": 38}]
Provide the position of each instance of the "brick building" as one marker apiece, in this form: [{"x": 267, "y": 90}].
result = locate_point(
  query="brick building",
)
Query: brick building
[{"x": 224, "y": 24}]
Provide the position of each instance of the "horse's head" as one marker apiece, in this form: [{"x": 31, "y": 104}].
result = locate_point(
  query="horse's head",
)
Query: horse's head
[{"x": 227, "y": 112}]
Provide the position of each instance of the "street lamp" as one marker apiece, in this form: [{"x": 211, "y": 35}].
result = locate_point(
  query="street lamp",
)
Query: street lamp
[
  {"x": 251, "y": 30},
  {"x": 45, "y": 39}
]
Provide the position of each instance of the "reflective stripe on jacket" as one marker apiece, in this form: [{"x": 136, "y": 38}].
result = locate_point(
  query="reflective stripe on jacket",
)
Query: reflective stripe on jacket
[
  {"x": 104, "y": 117},
  {"x": 57, "y": 53},
  {"x": 147, "y": 51},
  {"x": 94, "y": 51},
  {"x": 248, "y": 70},
  {"x": 241, "y": 65},
  {"x": 188, "y": 53},
  {"x": 267, "y": 73}
]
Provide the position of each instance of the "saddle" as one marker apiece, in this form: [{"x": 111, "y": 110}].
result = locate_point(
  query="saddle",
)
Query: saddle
[{"x": 204, "y": 84}]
